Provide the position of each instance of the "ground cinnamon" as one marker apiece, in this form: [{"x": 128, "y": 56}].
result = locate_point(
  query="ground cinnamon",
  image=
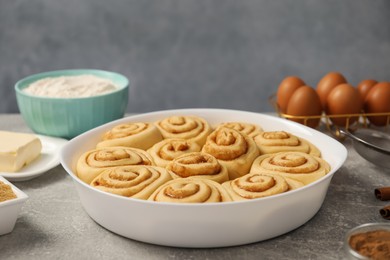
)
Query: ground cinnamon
[
  {"x": 372, "y": 244},
  {"x": 6, "y": 192},
  {"x": 382, "y": 193}
]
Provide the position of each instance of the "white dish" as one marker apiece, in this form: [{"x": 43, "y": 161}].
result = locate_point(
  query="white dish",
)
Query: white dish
[
  {"x": 49, "y": 158},
  {"x": 9, "y": 209},
  {"x": 205, "y": 225}
]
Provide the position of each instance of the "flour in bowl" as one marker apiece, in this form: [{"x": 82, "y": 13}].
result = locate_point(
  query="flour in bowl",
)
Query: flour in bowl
[{"x": 71, "y": 86}]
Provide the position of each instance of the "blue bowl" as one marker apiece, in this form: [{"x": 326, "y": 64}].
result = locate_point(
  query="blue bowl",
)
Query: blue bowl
[{"x": 69, "y": 117}]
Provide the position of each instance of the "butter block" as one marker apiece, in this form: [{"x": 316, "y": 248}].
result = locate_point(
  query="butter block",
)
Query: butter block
[{"x": 17, "y": 150}]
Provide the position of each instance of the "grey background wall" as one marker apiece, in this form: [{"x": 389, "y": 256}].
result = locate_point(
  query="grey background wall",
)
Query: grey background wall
[{"x": 195, "y": 53}]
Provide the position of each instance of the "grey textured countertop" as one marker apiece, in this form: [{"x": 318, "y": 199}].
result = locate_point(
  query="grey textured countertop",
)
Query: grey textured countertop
[{"x": 53, "y": 224}]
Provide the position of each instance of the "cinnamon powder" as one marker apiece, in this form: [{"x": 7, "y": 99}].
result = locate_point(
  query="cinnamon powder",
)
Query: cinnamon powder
[
  {"x": 372, "y": 244},
  {"x": 6, "y": 192}
]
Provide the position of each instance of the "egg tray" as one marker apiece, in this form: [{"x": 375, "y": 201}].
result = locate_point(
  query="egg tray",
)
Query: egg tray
[{"x": 325, "y": 120}]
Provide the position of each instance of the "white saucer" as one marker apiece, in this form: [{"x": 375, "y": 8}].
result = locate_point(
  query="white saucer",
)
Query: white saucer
[{"x": 48, "y": 159}]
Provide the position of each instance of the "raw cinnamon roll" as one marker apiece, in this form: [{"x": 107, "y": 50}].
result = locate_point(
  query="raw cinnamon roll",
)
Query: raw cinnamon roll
[
  {"x": 245, "y": 128},
  {"x": 137, "y": 135},
  {"x": 167, "y": 150},
  {"x": 233, "y": 149},
  {"x": 185, "y": 127},
  {"x": 190, "y": 190},
  {"x": 293, "y": 184},
  {"x": 132, "y": 181},
  {"x": 198, "y": 165},
  {"x": 92, "y": 163},
  {"x": 281, "y": 141},
  {"x": 256, "y": 185},
  {"x": 298, "y": 166}
]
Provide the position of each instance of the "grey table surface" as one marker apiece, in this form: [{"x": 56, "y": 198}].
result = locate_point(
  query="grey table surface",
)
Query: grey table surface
[{"x": 54, "y": 225}]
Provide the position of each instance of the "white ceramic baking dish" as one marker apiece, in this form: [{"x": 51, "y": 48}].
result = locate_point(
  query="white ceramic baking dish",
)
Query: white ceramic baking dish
[{"x": 206, "y": 225}]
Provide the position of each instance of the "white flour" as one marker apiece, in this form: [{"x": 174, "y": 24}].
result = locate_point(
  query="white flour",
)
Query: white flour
[{"x": 71, "y": 86}]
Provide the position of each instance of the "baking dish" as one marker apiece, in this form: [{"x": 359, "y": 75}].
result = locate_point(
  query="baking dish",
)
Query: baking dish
[{"x": 206, "y": 225}]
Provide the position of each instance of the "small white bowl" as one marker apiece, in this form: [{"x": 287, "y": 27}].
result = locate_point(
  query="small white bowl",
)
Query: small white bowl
[{"x": 9, "y": 209}]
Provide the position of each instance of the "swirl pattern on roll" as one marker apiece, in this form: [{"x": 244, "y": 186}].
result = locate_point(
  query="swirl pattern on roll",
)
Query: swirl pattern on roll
[
  {"x": 191, "y": 190},
  {"x": 293, "y": 184},
  {"x": 198, "y": 165},
  {"x": 132, "y": 181},
  {"x": 281, "y": 141},
  {"x": 233, "y": 149},
  {"x": 167, "y": 150},
  {"x": 192, "y": 128},
  {"x": 298, "y": 166},
  {"x": 245, "y": 128},
  {"x": 137, "y": 135},
  {"x": 255, "y": 185},
  {"x": 93, "y": 162}
]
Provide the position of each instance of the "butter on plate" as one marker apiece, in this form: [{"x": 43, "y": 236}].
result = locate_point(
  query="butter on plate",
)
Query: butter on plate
[{"x": 17, "y": 150}]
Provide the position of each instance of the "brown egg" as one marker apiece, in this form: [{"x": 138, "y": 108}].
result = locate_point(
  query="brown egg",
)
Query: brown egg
[
  {"x": 327, "y": 83},
  {"x": 285, "y": 90},
  {"x": 344, "y": 99},
  {"x": 365, "y": 86},
  {"x": 378, "y": 101},
  {"x": 305, "y": 102}
]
